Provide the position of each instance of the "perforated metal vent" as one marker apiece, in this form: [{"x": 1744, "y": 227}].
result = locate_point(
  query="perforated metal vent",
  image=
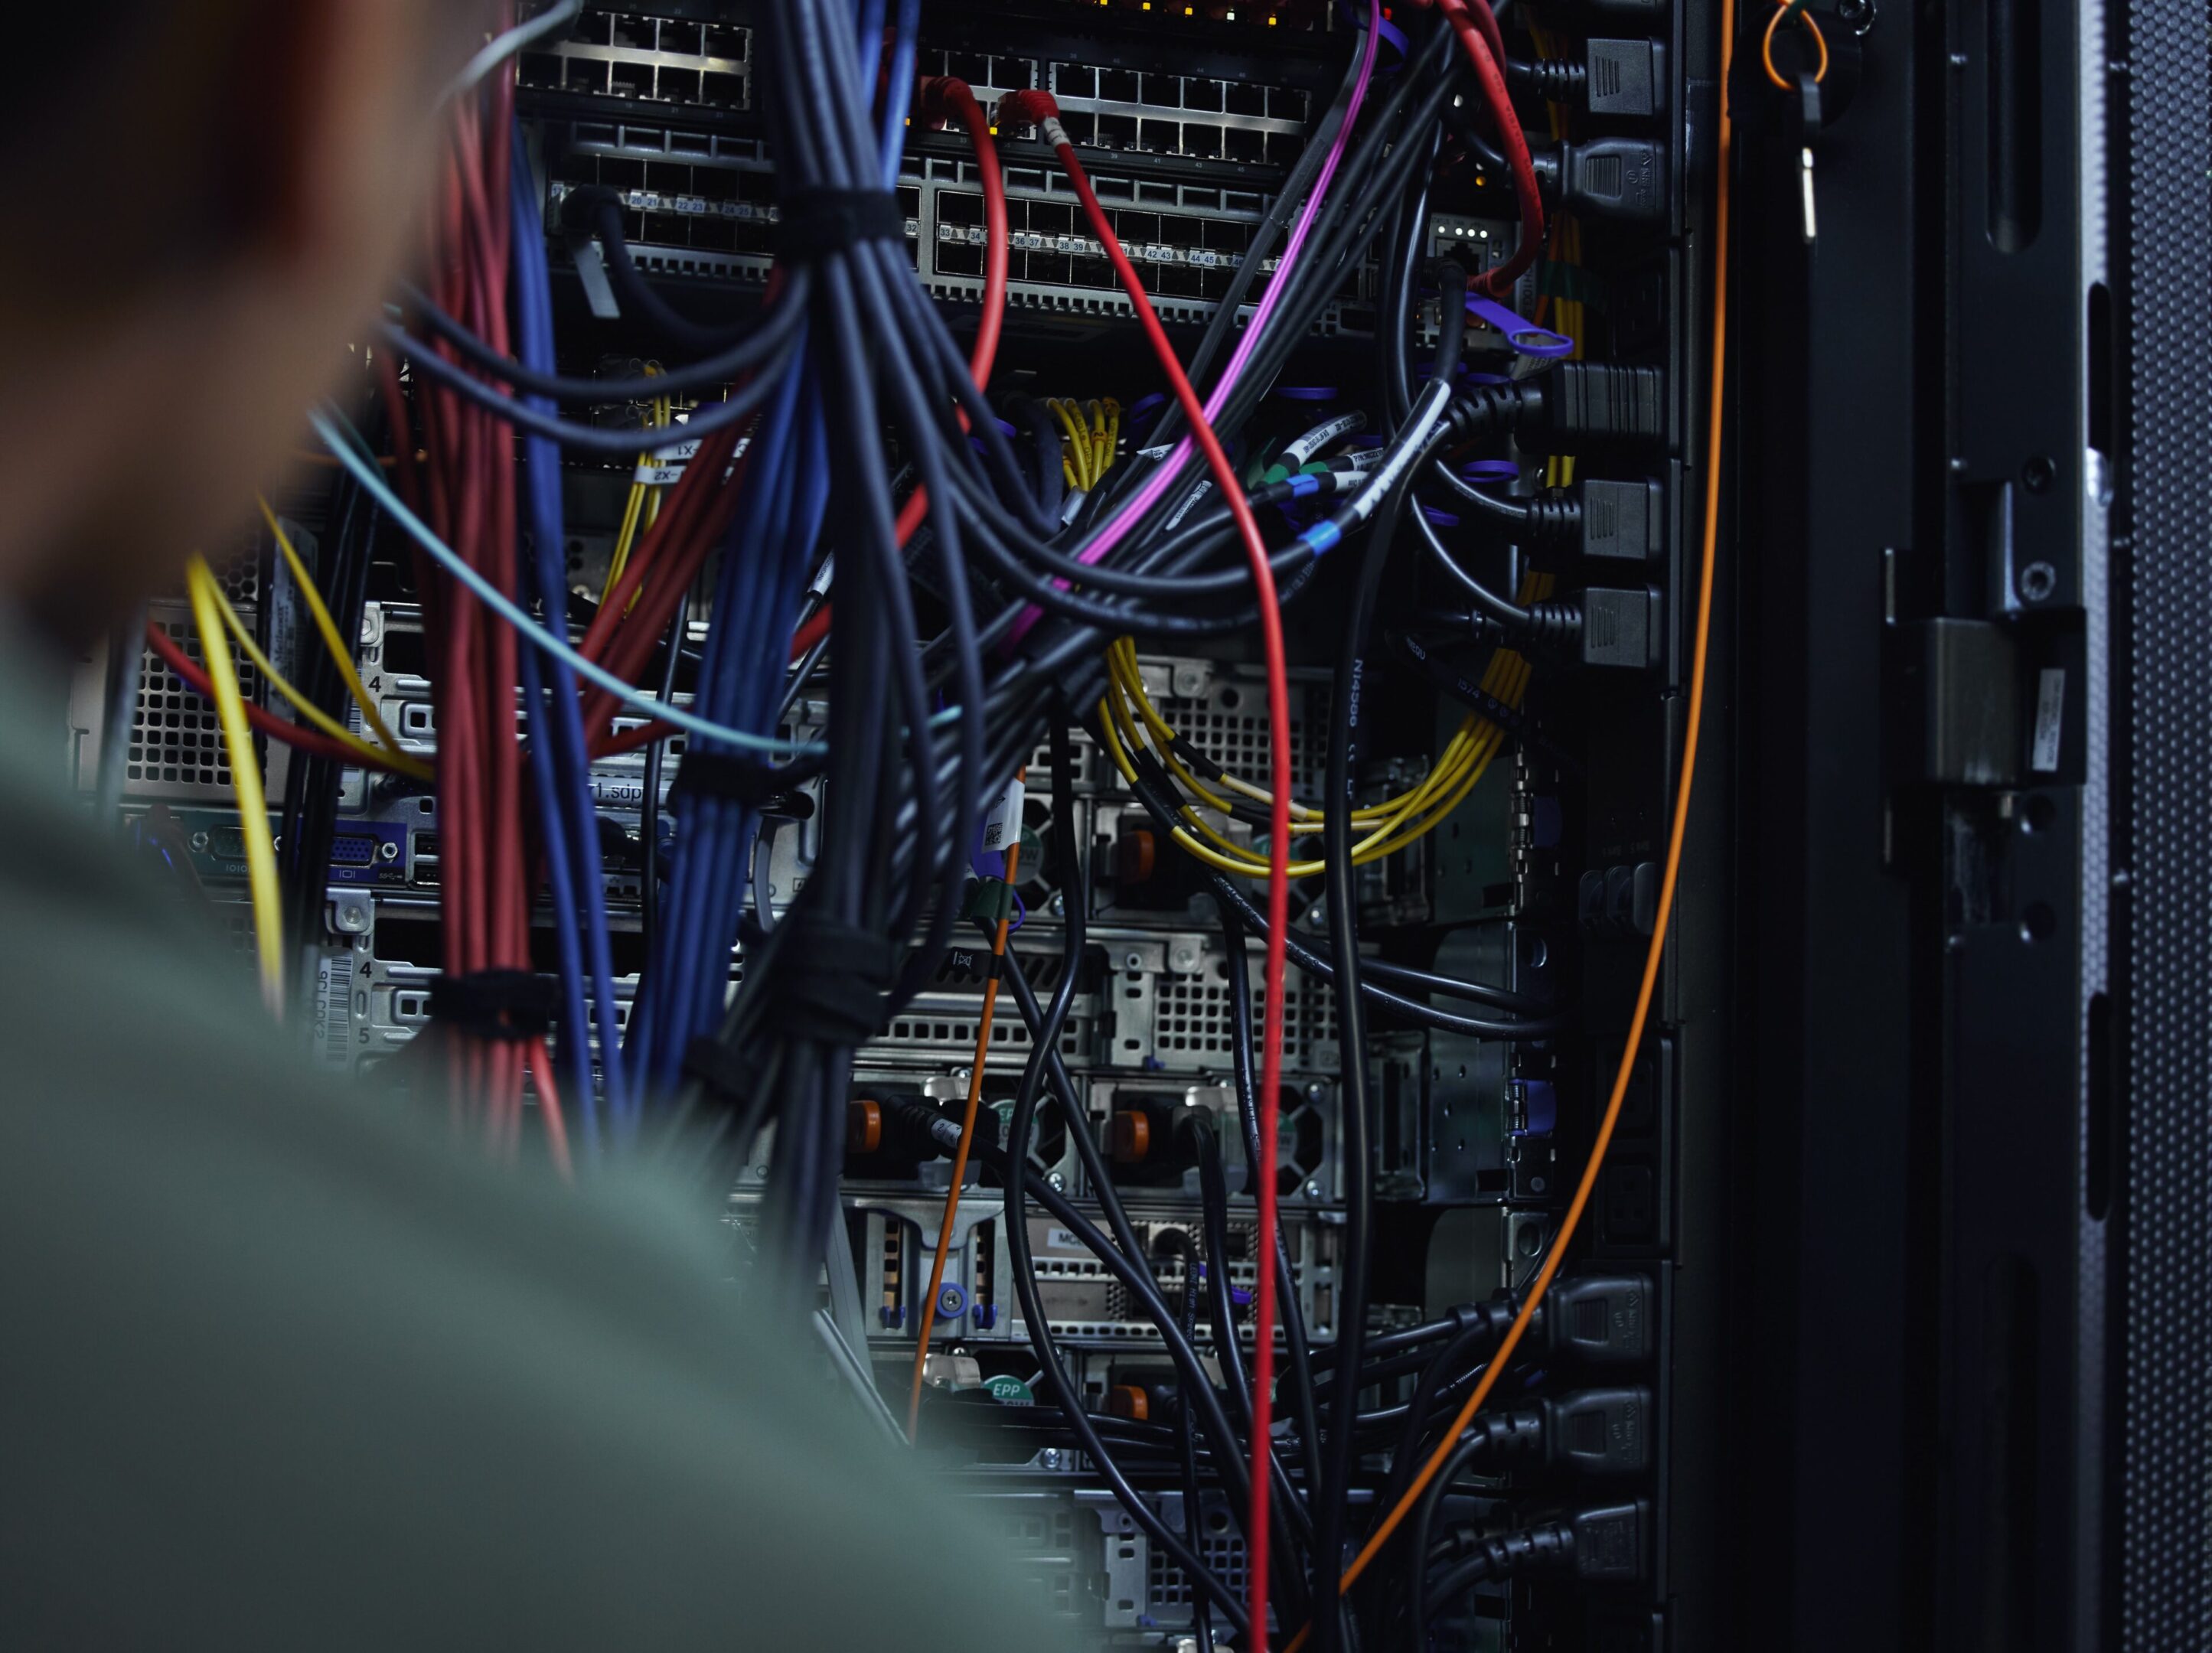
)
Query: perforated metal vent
[{"x": 176, "y": 741}]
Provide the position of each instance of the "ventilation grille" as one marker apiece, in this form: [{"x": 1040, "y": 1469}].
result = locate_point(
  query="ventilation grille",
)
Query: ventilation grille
[
  {"x": 176, "y": 740},
  {"x": 1230, "y": 726},
  {"x": 1191, "y": 1016},
  {"x": 1166, "y": 1585}
]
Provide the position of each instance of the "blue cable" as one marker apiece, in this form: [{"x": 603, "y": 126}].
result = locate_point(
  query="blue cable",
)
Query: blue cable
[
  {"x": 564, "y": 757},
  {"x": 898, "y": 98},
  {"x": 336, "y": 433}
]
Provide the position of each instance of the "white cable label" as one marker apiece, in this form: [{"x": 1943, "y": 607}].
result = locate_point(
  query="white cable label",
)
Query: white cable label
[
  {"x": 664, "y": 466},
  {"x": 1003, "y": 825},
  {"x": 1055, "y": 133},
  {"x": 2050, "y": 716}
]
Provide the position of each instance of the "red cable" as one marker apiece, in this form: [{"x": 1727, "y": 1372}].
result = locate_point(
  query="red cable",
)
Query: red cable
[
  {"x": 1040, "y": 109},
  {"x": 312, "y": 742},
  {"x": 1477, "y": 28},
  {"x": 942, "y": 94}
]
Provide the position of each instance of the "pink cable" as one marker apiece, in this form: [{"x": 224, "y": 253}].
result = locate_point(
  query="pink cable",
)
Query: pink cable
[{"x": 1163, "y": 477}]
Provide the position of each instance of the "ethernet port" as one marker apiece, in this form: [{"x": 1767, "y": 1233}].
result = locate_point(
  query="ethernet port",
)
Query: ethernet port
[
  {"x": 722, "y": 91},
  {"x": 969, "y": 66},
  {"x": 633, "y": 31},
  {"x": 1082, "y": 127},
  {"x": 958, "y": 258},
  {"x": 1119, "y": 86},
  {"x": 1285, "y": 148},
  {"x": 954, "y": 208},
  {"x": 729, "y": 43},
  {"x": 1053, "y": 217},
  {"x": 1205, "y": 96},
  {"x": 1092, "y": 272},
  {"x": 587, "y": 75},
  {"x": 630, "y": 80},
  {"x": 679, "y": 85},
  {"x": 1287, "y": 102},
  {"x": 1159, "y": 136},
  {"x": 619, "y": 173},
  {"x": 683, "y": 39},
  {"x": 1242, "y": 144},
  {"x": 1074, "y": 81},
  {"x": 1242, "y": 100},
  {"x": 1199, "y": 139},
  {"x": 1117, "y": 132},
  {"x": 1177, "y": 231},
  {"x": 539, "y": 68}
]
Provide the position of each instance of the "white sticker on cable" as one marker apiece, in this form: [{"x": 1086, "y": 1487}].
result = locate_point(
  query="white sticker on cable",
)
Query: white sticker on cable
[
  {"x": 1003, "y": 822},
  {"x": 2050, "y": 717},
  {"x": 1055, "y": 133},
  {"x": 664, "y": 466}
]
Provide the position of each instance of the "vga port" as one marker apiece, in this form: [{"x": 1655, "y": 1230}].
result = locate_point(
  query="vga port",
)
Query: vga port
[{"x": 353, "y": 849}]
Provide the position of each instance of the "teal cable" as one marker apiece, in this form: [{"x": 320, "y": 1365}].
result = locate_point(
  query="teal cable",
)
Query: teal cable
[{"x": 492, "y": 598}]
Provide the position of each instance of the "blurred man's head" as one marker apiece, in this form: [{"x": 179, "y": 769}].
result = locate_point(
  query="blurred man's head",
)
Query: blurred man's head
[{"x": 207, "y": 199}]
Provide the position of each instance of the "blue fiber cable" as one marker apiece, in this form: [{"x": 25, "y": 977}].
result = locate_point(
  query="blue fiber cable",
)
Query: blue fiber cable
[
  {"x": 562, "y": 737},
  {"x": 336, "y": 433}
]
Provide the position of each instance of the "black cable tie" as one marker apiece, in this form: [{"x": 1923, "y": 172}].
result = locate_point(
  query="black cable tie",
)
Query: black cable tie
[
  {"x": 720, "y": 1069},
  {"x": 740, "y": 780},
  {"x": 831, "y": 981},
  {"x": 494, "y": 1004},
  {"x": 815, "y": 223}
]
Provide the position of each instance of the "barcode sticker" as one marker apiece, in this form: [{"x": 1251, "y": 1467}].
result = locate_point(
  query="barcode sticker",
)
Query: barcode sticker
[
  {"x": 1003, "y": 825},
  {"x": 2050, "y": 718},
  {"x": 334, "y": 1009}
]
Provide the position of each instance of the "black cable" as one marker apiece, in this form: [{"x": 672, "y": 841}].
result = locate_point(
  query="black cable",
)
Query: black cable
[
  {"x": 773, "y": 328},
  {"x": 1014, "y": 1179},
  {"x": 743, "y": 403},
  {"x": 649, "y": 807},
  {"x": 603, "y": 210},
  {"x": 1292, "y": 1314},
  {"x": 1372, "y": 972},
  {"x": 1186, "y": 1435}
]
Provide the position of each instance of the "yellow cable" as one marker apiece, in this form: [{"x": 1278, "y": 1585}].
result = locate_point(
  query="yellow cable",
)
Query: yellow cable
[
  {"x": 644, "y": 503},
  {"x": 341, "y": 654},
  {"x": 246, "y": 785},
  {"x": 375, "y": 757},
  {"x": 1078, "y": 450}
]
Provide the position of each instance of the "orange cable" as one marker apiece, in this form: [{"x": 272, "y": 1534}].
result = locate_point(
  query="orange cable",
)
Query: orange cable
[
  {"x": 1676, "y": 831},
  {"x": 966, "y": 1132}
]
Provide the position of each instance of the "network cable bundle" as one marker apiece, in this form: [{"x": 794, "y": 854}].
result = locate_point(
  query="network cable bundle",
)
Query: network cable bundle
[{"x": 1062, "y": 645}]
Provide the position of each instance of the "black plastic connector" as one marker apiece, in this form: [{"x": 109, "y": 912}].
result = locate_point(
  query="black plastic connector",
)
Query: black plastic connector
[
  {"x": 1621, "y": 79},
  {"x": 1609, "y": 1542},
  {"x": 1612, "y": 521},
  {"x": 1622, "y": 179},
  {"x": 1599, "y": 1319},
  {"x": 1604, "y": 401},
  {"x": 1599, "y": 1431},
  {"x": 1604, "y": 1544},
  {"x": 1621, "y": 628},
  {"x": 1651, "y": 14}
]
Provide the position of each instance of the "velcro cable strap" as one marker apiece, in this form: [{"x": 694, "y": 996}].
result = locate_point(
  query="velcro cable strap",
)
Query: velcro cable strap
[
  {"x": 831, "y": 980},
  {"x": 815, "y": 223},
  {"x": 494, "y": 1004},
  {"x": 720, "y": 1069},
  {"x": 740, "y": 780}
]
